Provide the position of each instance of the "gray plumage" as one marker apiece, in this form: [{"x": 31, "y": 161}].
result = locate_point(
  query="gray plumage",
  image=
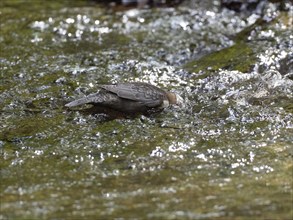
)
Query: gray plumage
[{"x": 128, "y": 97}]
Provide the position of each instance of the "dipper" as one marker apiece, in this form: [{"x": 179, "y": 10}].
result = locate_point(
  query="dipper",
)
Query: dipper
[{"x": 130, "y": 98}]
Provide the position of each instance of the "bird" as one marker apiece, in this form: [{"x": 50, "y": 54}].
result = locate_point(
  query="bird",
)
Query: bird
[{"x": 129, "y": 98}]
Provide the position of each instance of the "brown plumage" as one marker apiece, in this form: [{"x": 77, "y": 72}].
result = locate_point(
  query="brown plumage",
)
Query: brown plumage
[{"x": 134, "y": 97}]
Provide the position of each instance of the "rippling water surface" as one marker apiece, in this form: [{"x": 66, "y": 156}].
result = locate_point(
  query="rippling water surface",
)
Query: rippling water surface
[{"x": 227, "y": 154}]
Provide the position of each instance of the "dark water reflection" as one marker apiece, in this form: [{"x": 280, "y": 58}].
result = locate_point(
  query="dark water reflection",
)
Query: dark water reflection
[{"x": 227, "y": 154}]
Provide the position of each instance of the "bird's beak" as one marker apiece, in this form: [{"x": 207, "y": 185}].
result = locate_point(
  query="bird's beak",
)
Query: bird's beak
[{"x": 179, "y": 101}]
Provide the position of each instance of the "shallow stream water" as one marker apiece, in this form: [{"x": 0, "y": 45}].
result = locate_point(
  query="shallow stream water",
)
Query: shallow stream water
[{"x": 226, "y": 155}]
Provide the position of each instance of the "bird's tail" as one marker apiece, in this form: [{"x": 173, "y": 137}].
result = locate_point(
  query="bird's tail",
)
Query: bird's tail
[{"x": 86, "y": 100}]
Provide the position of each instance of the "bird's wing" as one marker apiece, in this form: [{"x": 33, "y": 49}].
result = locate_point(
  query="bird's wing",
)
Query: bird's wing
[{"x": 149, "y": 95}]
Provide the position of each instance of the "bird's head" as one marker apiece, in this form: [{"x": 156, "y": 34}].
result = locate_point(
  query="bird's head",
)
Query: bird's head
[{"x": 175, "y": 99}]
